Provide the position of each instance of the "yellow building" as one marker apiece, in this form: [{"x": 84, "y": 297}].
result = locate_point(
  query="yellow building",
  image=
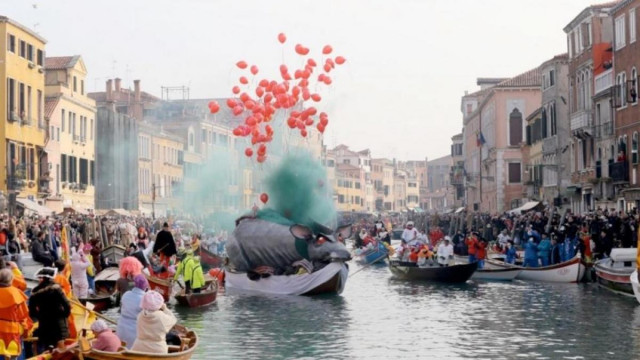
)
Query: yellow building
[
  {"x": 70, "y": 143},
  {"x": 350, "y": 190},
  {"x": 23, "y": 129},
  {"x": 160, "y": 170}
]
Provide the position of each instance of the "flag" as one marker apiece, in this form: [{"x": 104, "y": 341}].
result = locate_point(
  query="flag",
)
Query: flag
[
  {"x": 65, "y": 253},
  {"x": 480, "y": 138}
]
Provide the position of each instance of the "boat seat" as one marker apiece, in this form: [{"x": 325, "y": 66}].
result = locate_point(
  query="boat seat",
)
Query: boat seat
[{"x": 176, "y": 348}]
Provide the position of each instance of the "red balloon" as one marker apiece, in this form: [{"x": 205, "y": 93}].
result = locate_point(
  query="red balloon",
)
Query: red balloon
[
  {"x": 264, "y": 83},
  {"x": 237, "y": 110},
  {"x": 262, "y": 149},
  {"x": 297, "y": 74},
  {"x": 303, "y": 133},
  {"x": 323, "y": 115},
  {"x": 311, "y": 63},
  {"x": 331, "y": 63},
  {"x": 254, "y": 69},
  {"x": 340, "y": 60},
  {"x": 282, "y": 38},
  {"x": 305, "y": 94},
  {"x": 236, "y": 90},
  {"x": 321, "y": 128},
  {"x": 251, "y": 121},
  {"x": 316, "y": 97},
  {"x": 321, "y": 77},
  {"x": 248, "y": 152},
  {"x": 327, "y": 80},
  {"x": 262, "y": 158},
  {"x": 291, "y": 122},
  {"x": 324, "y": 121},
  {"x": 237, "y": 131},
  {"x": 264, "y": 198},
  {"x": 231, "y": 103},
  {"x": 243, "y": 80},
  {"x": 283, "y": 69},
  {"x": 327, "y": 50},
  {"x": 312, "y": 111},
  {"x": 214, "y": 107},
  {"x": 327, "y": 68},
  {"x": 259, "y": 91},
  {"x": 309, "y": 122},
  {"x": 301, "y": 50},
  {"x": 241, "y": 64},
  {"x": 244, "y": 97}
]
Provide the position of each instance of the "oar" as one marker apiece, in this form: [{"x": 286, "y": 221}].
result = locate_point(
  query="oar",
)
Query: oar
[
  {"x": 95, "y": 313},
  {"x": 369, "y": 264}
]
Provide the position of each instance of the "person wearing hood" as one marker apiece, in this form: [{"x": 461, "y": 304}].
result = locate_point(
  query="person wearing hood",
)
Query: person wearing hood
[
  {"x": 531, "y": 253},
  {"x": 105, "y": 339},
  {"x": 191, "y": 271},
  {"x": 49, "y": 306},
  {"x": 445, "y": 252},
  {"x": 409, "y": 233},
  {"x": 153, "y": 324},
  {"x": 14, "y": 313},
  {"x": 544, "y": 250},
  {"x": 79, "y": 281},
  {"x": 130, "y": 309}
]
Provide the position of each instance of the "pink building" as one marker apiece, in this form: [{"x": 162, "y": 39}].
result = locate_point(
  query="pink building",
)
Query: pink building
[{"x": 494, "y": 141}]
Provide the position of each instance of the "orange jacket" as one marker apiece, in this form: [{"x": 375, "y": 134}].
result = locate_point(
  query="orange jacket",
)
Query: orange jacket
[
  {"x": 18, "y": 280},
  {"x": 14, "y": 320},
  {"x": 64, "y": 283}
]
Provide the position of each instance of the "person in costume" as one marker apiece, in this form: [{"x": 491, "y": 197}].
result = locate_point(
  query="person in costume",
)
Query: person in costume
[
  {"x": 51, "y": 309},
  {"x": 191, "y": 271},
  {"x": 14, "y": 316},
  {"x": 154, "y": 322}
]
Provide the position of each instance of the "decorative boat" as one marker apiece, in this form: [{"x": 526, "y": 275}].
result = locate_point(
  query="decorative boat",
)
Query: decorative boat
[
  {"x": 206, "y": 297},
  {"x": 635, "y": 285},
  {"x": 458, "y": 273},
  {"x": 502, "y": 274},
  {"x": 372, "y": 255},
  {"x": 613, "y": 273},
  {"x": 112, "y": 254},
  {"x": 210, "y": 259},
  {"x": 100, "y": 301},
  {"x": 330, "y": 279},
  {"x": 565, "y": 272}
]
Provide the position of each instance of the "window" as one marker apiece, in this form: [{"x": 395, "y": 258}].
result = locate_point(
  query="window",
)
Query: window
[
  {"x": 554, "y": 121},
  {"x": 515, "y": 128},
  {"x": 552, "y": 77},
  {"x": 73, "y": 169},
  {"x": 62, "y": 121},
  {"x": 515, "y": 175},
  {"x": 634, "y": 148},
  {"x": 29, "y": 113},
  {"x": 346, "y": 161},
  {"x": 632, "y": 26},
  {"x": 622, "y": 89},
  {"x": 81, "y": 87},
  {"x": 30, "y": 52},
  {"x": 40, "y": 118},
  {"x": 620, "y": 32},
  {"x": 40, "y": 57},
  {"x": 84, "y": 171},
  {"x": 63, "y": 162},
  {"x": 92, "y": 168},
  {"x": 11, "y": 43},
  {"x": 23, "y": 49},
  {"x": 75, "y": 84},
  {"x": 91, "y": 130},
  {"x": 11, "y": 99},
  {"x": 633, "y": 89},
  {"x": 585, "y": 29},
  {"x": 58, "y": 133},
  {"x": 21, "y": 101}
]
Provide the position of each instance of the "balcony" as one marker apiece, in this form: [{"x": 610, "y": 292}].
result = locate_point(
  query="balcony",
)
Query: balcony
[
  {"x": 604, "y": 130},
  {"x": 603, "y": 81},
  {"x": 581, "y": 120},
  {"x": 619, "y": 172}
]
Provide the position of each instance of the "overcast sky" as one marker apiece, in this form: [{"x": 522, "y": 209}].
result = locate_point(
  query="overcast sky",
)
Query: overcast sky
[{"x": 408, "y": 61}]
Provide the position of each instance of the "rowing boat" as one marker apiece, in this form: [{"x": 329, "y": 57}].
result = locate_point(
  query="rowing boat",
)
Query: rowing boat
[
  {"x": 565, "y": 272},
  {"x": 203, "y": 298},
  {"x": 100, "y": 301},
  {"x": 503, "y": 274},
  {"x": 209, "y": 259},
  {"x": 458, "y": 273}
]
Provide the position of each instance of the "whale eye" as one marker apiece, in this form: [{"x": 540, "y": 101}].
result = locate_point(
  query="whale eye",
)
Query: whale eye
[{"x": 321, "y": 240}]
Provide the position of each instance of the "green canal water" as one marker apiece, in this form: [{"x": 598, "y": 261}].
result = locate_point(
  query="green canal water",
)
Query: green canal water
[{"x": 380, "y": 318}]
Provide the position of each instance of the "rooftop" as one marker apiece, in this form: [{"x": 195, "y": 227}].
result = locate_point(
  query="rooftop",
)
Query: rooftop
[
  {"x": 50, "y": 106},
  {"x": 531, "y": 78},
  {"x": 60, "y": 62},
  {"x": 4, "y": 19}
]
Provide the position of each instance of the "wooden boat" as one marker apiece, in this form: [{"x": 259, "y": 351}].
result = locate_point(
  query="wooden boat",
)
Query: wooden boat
[
  {"x": 565, "y": 272},
  {"x": 613, "y": 273},
  {"x": 206, "y": 297},
  {"x": 112, "y": 254},
  {"x": 100, "y": 301},
  {"x": 635, "y": 285},
  {"x": 185, "y": 351},
  {"x": 458, "y": 273},
  {"x": 331, "y": 279},
  {"x": 373, "y": 255},
  {"x": 163, "y": 286},
  {"x": 106, "y": 279},
  {"x": 209, "y": 259},
  {"x": 502, "y": 274}
]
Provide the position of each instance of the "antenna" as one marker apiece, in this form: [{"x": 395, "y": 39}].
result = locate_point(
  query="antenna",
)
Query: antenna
[{"x": 166, "y": 92}]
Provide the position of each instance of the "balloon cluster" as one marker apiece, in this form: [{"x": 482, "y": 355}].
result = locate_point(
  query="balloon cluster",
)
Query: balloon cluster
[{"x": 290, "y": 93}]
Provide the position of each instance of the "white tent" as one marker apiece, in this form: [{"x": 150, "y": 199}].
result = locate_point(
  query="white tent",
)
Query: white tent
[
  {"x": 34, "y": 207},
  {"x": 526, "y": 207}
]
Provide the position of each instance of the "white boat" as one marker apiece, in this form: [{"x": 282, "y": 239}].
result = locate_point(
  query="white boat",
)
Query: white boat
[
  {"x": 564, "y": 272},
  {"x": 330, "y": 279},
  {"x": 614, "y": 272},
  {"x": 496, "y": 274},
  {"x": 635, "y": 285}
]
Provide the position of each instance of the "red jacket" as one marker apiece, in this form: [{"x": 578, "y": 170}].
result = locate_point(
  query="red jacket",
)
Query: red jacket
[
  {"x": 472, "y": 244},
  {"x": 482, "y": 250}
]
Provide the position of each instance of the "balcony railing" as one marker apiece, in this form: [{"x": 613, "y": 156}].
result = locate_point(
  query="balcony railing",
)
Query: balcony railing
[
  {"x": 619, "y": 171},
  {"x": 603, "y": 81},
  {"x": 581, "y": 120},
  {"x": 604, "y": 130}
]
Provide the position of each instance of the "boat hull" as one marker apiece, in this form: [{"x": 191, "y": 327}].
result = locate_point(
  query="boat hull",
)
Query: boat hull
[
  {"x": 134, "y": 355},
  {"x": 210, "y": 259},
  {"x": 101, "y": 302},
  {"x": 504, "y": 274},
  {"x": 329, "y": 280},
  {"x": 566, "y": 272},
  {"x": 373, "y": 256},
  {"x": 163, "y": 286},
  {"x": 616, "y": 280},
  {"x": 635, "y": 285},
  {"x": 451, "y": 274},
  {"x": 113, "y": 253},
  {"x": 197, "y": 300}
]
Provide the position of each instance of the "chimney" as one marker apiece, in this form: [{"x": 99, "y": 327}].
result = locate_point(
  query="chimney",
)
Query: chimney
[
  {"x": 109, "y": 90},
  {"x": 118, "y": 82},
  {"x": 136, "y": 85}
]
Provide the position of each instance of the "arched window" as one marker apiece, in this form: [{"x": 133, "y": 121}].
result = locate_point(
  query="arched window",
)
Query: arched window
[
  {"x": 634, "y": 147},
  {"x": 515, "y": 127},
  {"x": 622, "y": 86}
]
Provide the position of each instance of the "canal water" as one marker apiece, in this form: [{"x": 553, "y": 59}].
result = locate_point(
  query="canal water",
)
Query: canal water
[{"x": 378, "y": 317}]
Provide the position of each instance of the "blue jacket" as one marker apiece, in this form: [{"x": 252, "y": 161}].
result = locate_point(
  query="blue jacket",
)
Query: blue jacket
[
  {"x": 530, "y": 250},
  {"x": 511, "y": 255},
  {"x": 129, "y": 310},
  {"x": 544, "y": 248}
]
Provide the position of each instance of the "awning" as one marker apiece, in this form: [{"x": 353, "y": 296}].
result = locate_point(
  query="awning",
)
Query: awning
[
  {"x": 118, "y": 212},
  {"x": 528, "y": 206},
  {"x": 459, "y": 210},
  {"x": 34, "y": 207}
]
